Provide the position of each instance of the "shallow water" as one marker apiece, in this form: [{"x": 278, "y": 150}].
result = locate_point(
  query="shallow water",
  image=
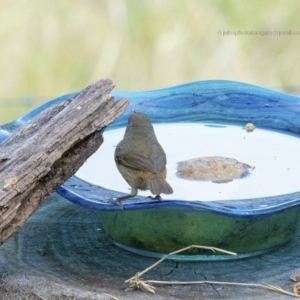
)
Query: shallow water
[{"x": 274, "y": 155}]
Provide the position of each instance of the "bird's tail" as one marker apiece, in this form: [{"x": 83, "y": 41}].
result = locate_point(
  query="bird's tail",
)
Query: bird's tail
[{"x": 159, "y": 185}]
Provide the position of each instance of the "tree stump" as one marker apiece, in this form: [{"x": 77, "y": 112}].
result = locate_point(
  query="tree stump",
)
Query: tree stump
[{"x": 38, "y": 157}]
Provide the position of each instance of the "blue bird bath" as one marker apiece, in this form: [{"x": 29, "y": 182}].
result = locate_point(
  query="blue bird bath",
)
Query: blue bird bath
[{"x": 248, "y": 224}]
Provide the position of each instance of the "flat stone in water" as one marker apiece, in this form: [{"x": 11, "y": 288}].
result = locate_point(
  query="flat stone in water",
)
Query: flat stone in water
[{"x": 217, "y": 169}]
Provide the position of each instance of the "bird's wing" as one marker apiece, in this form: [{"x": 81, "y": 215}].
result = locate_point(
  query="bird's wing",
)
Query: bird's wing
[{"x": 154, "y": 162}]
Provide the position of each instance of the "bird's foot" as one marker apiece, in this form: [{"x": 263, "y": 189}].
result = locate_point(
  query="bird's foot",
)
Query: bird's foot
[
  {"x": 157, "y": 197},
  {"x": 119, "y": 200},
  {"x": 116, "y": 201}
]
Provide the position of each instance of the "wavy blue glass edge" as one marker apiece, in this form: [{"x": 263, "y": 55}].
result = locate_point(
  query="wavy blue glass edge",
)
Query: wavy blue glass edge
[
  {"x": 213, "y": 100},
  {"x": 96, "y": 197}
]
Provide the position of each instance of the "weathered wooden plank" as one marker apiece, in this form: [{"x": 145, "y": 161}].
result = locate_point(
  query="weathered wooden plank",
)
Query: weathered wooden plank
[{"x": 50, "y": 148}]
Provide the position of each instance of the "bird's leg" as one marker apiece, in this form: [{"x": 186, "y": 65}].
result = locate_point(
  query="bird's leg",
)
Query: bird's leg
[
  {"x": 119, "y": 200},
  {"x": 157, "y": 197}
]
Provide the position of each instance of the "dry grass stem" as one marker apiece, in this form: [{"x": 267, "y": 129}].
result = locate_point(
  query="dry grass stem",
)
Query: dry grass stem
[
  {"x": 213, "y": 249},
  {"x": 137, "y": 282},
  {"x": 39, "y": 296},
  {"x": 278, "y": 290},
  {"x": 296, "y": 288},
  {"x": 111, "y": 297}
]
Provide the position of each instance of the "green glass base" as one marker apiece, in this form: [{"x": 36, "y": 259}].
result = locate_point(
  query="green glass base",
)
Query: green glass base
[
  {"x": 195, "y": 257},
  {"x": 154, "y": 232}
]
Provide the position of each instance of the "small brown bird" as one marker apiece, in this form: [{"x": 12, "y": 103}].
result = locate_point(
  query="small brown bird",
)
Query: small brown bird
[{"x": 141, "y": 160}]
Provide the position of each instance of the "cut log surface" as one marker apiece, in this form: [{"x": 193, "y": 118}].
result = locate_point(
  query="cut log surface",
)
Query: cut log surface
[
  {"x": 48, "y": 149},
  {"x": 63, "y": 253}
]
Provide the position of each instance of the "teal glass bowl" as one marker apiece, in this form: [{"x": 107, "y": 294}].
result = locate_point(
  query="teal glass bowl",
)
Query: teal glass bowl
[{"x": 248, "y": 226}]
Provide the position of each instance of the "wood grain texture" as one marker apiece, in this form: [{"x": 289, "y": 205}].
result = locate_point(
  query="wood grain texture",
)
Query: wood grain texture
[
  {"x": 63, "y": 246},
  {"x": 49, "y": 149}
]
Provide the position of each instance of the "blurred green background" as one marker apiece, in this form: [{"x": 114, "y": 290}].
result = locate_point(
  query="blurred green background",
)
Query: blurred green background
[{"x": 50, "y": 48}]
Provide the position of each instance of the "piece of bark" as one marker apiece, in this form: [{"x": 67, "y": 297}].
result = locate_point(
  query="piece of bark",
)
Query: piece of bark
[{"x": 38, "y": 157}]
